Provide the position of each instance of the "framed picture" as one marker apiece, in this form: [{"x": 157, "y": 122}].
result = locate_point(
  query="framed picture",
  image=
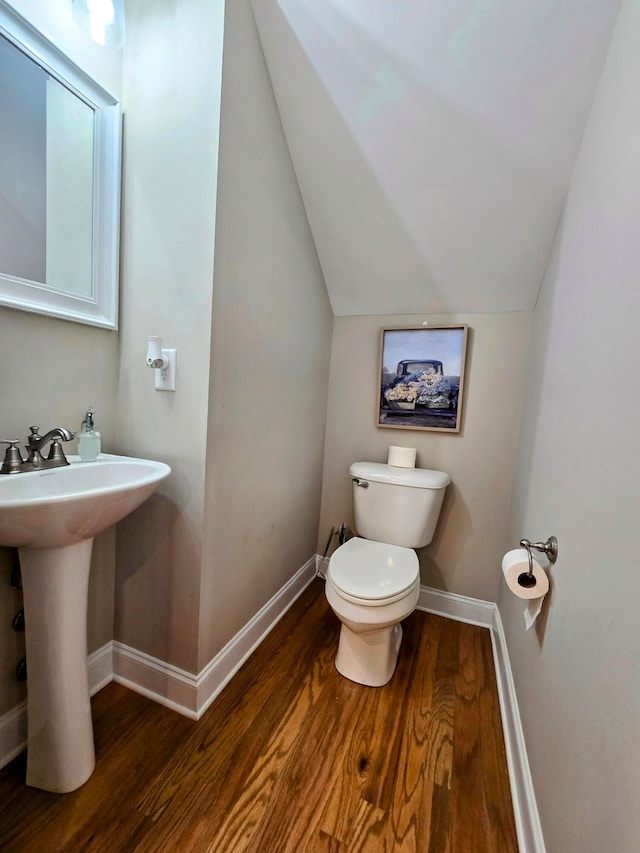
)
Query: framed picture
[{"x": 422, "y": 377}]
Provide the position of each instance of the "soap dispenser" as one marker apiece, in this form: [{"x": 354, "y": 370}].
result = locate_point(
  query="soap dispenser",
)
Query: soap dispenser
[{"x": 89, "y": 439}]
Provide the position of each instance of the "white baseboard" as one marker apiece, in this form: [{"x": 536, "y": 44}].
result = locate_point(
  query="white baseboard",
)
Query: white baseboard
[
  {"x": 487, "y": 615},
  {"x": 530, "y": 837},
  {"x": 458, "y": 607},
  {"x": 166, "y": 684},
  {"x": 228, "y": 661},
  {"x": 100, "y": 664},
  {"x": 189, "y": 694}
]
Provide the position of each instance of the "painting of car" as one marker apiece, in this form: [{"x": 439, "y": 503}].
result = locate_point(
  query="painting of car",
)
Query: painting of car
[{"x": 421, "y": 394}]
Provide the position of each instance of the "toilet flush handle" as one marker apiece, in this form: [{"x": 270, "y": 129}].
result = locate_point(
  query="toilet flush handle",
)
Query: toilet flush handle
[{"x": 362, "y": 483}]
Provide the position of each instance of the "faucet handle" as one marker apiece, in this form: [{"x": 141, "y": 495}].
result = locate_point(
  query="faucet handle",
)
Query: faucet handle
[
  {"x": 56, "y": 453},
  {"x": 13, "y": 461}
]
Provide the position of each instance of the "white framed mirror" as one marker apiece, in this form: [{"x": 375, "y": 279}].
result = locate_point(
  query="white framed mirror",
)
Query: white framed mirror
[{"x": 60, "y": 160}]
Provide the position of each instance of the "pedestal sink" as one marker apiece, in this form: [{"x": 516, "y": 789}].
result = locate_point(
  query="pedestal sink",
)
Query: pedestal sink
[{"x": 51, "y": 516}]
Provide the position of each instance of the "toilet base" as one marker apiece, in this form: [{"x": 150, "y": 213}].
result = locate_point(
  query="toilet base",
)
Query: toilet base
[{"x": 370, "y": 657}]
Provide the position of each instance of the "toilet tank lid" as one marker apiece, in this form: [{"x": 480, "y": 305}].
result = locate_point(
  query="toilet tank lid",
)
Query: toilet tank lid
[{"x": 417, "y": 478}]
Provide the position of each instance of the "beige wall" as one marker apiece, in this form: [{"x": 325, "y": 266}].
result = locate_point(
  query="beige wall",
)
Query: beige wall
[
  {"x": 55, "y": 369},
  {"x": 270, "y": 358},
  {"x": 480, "y": 460},
  {"x": 576, "y": 673},
  {"x": 171, "y": 99}
]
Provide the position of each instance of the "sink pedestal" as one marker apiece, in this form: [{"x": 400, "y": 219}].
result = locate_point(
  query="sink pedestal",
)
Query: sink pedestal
[{"x": 55, "y": 581}]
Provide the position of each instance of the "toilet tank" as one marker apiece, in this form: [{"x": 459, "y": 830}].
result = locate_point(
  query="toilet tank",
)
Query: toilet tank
[{"x": 399, "y": 506}]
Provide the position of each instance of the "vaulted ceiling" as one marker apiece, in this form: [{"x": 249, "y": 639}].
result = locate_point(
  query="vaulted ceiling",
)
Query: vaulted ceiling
[{"x": 433, "y": 140}]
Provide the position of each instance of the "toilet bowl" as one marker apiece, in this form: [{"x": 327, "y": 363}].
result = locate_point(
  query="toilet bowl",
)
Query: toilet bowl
[{"x": 371, "y": 587}]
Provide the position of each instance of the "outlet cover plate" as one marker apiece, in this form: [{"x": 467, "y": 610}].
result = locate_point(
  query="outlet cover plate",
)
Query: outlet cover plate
[{"x": 166, "y": 378}]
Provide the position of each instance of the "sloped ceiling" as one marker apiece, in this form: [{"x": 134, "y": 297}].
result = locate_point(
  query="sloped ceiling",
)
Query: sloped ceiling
[{"x": 433, "y": 140}]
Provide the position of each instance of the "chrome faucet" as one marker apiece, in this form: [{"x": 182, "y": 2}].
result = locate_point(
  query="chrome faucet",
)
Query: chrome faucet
[{"x": 35, "y": 461}]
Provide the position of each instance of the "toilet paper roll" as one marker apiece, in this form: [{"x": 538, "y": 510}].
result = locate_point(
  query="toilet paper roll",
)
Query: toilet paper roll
[
  {"x": 516, "y": 563},
  {"x": 402, "y": 457}
]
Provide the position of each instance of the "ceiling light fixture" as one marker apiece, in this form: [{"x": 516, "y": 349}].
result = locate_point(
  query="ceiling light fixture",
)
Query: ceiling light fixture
[{"x": 101, "y": 20}]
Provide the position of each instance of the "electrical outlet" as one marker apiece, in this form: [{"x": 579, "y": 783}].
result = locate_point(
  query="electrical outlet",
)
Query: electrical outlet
[{"x": 166, "y": 377}]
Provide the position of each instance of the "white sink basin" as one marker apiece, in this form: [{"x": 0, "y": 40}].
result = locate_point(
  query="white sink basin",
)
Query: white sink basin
[
  {"x": 51, "y": 516},
  {"x": 61, "y": 506}
]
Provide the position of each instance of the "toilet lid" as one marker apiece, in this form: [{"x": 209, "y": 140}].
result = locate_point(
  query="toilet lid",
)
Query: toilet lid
[{"x": 373, "y": 570}]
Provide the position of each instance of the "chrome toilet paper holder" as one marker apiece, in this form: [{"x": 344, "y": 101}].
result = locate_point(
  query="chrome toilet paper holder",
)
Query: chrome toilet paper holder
[{"x": 550, "y": 548}]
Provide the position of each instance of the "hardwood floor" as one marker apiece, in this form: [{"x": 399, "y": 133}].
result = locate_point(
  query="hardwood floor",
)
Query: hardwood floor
[{"x": 291, "y": 757}]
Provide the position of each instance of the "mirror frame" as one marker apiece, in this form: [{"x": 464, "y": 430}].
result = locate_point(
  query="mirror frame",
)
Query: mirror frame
[{"x": 101, "y": 309}]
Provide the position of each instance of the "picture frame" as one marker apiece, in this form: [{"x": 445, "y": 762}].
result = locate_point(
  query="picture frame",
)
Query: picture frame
[{"x": 421, "y": 377}]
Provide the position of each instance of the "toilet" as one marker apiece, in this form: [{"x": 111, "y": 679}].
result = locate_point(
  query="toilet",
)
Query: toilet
[{"x": 373, "y": 580}]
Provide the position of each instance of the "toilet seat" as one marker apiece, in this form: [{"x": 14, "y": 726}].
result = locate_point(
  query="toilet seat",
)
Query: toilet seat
[{"x": 373, "y": 573}]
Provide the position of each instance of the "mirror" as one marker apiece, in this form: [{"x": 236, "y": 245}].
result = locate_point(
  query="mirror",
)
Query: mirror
[{"x": 60, "y": 153}]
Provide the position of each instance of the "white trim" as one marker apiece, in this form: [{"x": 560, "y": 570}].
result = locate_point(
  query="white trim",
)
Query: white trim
[
  {"x": 100, "y": 665},
  {"x": 486, "y": 614},
  {"x": 458, "y": 607},
  {"x": 228, "y": 661},
  {"x": 166, "y": 684},
  {"x": 525, "y": 807},
  {"x": 191, "y": 695},
  {"x": 13, "y": 724},
  {"x": 100, "y": 309}
]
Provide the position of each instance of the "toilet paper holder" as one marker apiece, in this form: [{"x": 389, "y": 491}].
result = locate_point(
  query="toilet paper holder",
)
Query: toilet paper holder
[{"x": 550, "y": 548}]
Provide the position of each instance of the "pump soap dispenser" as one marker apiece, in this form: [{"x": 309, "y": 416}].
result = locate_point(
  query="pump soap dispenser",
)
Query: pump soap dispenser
[{"x": 89, "y": 440}]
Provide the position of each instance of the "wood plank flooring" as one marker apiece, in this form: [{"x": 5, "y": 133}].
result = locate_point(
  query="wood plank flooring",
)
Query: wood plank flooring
[{"x": 293, "y": 758}]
